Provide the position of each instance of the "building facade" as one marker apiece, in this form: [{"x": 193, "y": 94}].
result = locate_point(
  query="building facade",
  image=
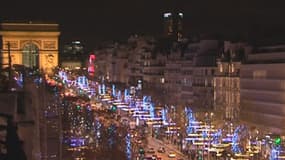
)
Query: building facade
[
  {"x": 172, "y": 74},
  {"x": 227, "y": 82},
  {"x": 73, "y": 56},
  {"x": 204, "y": 69},
  {"x": 187, "y": 77},
  {"x": 262, "y": 89},
  {"x": 103, "y": 62}
]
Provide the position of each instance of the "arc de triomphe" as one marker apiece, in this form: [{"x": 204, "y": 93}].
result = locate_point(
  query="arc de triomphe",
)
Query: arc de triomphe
[{"x": 33, "y": 45}]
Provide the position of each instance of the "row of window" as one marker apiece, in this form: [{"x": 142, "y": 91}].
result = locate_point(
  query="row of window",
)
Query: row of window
[{"x": 222, "y": 82}]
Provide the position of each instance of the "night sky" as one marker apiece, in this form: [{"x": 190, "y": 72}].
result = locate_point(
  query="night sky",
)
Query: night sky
[{"x": 95, "y": 21}]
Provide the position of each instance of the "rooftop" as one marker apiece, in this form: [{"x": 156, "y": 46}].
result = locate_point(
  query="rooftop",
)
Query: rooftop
[{"x": 28, "y": 26}]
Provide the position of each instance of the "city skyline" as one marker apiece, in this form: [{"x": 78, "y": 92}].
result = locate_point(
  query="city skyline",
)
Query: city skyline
[
  {"x": 95, "y": 22},
  {"x": 152, "y": 97}
]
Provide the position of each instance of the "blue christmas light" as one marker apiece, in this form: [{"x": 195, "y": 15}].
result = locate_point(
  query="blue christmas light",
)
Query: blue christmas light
[
  {"x": 103, "y": 89},
  {"x": 151, "y": 110},
  {"x": 128, "y": 147},
  {"x": 126, "y": 93},
  {"x": 119, "y": 96},
  {"x": 191, "y": 119},
  {"x": 164, "y": 115},
  {"x": 113, "y": 90},
  {"x": 217, "y": 136},
  {"x": 239, "y": 134},
  {"x": 274, "y": 153},
  {"x": 144, "y": 99},
  {"x": 99, "y": 89}
]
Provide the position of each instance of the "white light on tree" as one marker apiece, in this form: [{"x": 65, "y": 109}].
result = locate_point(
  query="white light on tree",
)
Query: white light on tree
[
  {"x": 99, "y": 89},
  {"x": 139, "y": 84},
  {"x": 144, "y": 99},
  {"x": 126, "y": 93},
  {"x": 217, "y": 136},
  {"x": 119, "y": 95},
  {"x": 103, "y": 89},
  {"x": 166, "y": 15},
  {"x": 164, "y": 115},
  {"x": 113, "y": 90},
  {"x": 151, "y": 110}
]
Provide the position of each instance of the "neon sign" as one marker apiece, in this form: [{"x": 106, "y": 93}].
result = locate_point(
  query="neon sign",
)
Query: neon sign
[{"x": 91, "y": 66}]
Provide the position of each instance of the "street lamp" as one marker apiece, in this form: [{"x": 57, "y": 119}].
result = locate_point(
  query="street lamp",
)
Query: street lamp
[{"x": 231, "y": 128}]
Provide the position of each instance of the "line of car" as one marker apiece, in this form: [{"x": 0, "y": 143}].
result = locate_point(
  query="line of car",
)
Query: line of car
[{"x": 151, "y": 150}]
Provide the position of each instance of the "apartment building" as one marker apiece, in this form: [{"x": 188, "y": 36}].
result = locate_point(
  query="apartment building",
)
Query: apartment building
[
  {"x": 262, "y": 89},
  {"x": 204, "y": 69},
  {"x": 227, "y": 81}
]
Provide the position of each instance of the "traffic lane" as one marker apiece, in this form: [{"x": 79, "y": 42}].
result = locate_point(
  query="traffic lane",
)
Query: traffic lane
[
  {"x": 165, "y": 155},
  {"x": 153, "y": 143},
  {"x": 169, "y": 147}
]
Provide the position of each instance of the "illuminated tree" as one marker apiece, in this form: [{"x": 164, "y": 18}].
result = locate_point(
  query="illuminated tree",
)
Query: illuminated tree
[
  {"x": 103, "y": 89},
  {"x": 151, "y": 110},
  {"x": 113, "y": 90},
  {"x": 190, "y": 119},
  {"x": 119, "y": 95},
  {"x": 274, "y": 153},
  {"x": 239, "y": 139},
  {"x": 217, "y": 137},
  {"x": 112, "y": 143},
  {"x": 128, "y": 147},
  {"x": 164, "y": 115}
]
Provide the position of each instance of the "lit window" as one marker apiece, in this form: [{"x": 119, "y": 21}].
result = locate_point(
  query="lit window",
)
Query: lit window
[
  {"x": 221, "y": 68},
  {"x": 232, "y": 68},
  {"x": 162, "y": 80},
  {"x": 259, "y": 74}
]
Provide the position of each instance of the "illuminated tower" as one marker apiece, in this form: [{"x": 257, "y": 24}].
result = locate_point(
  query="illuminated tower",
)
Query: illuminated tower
[{"x": 173, "y": 26}]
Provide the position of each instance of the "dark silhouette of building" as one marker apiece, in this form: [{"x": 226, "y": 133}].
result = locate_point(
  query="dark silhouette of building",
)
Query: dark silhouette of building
[
  {"x": 173, "y": 25},
  {"x": 73, "y": 55},
  {"x": 10, "y": 143}
]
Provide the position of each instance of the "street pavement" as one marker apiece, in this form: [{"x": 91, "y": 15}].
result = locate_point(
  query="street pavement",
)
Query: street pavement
[{"x": 156, "y": 144}]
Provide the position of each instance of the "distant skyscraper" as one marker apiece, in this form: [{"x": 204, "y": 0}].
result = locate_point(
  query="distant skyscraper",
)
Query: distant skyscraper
[
  {"x": 75, "y": 48},
  {"x": 173, "y": 25},
  {"x": 73, "y": 55}
]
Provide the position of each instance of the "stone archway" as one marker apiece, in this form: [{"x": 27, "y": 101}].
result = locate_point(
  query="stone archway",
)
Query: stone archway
[
  {"x": 34, "y": 45},
  {"x": 30, "y": 55}
]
